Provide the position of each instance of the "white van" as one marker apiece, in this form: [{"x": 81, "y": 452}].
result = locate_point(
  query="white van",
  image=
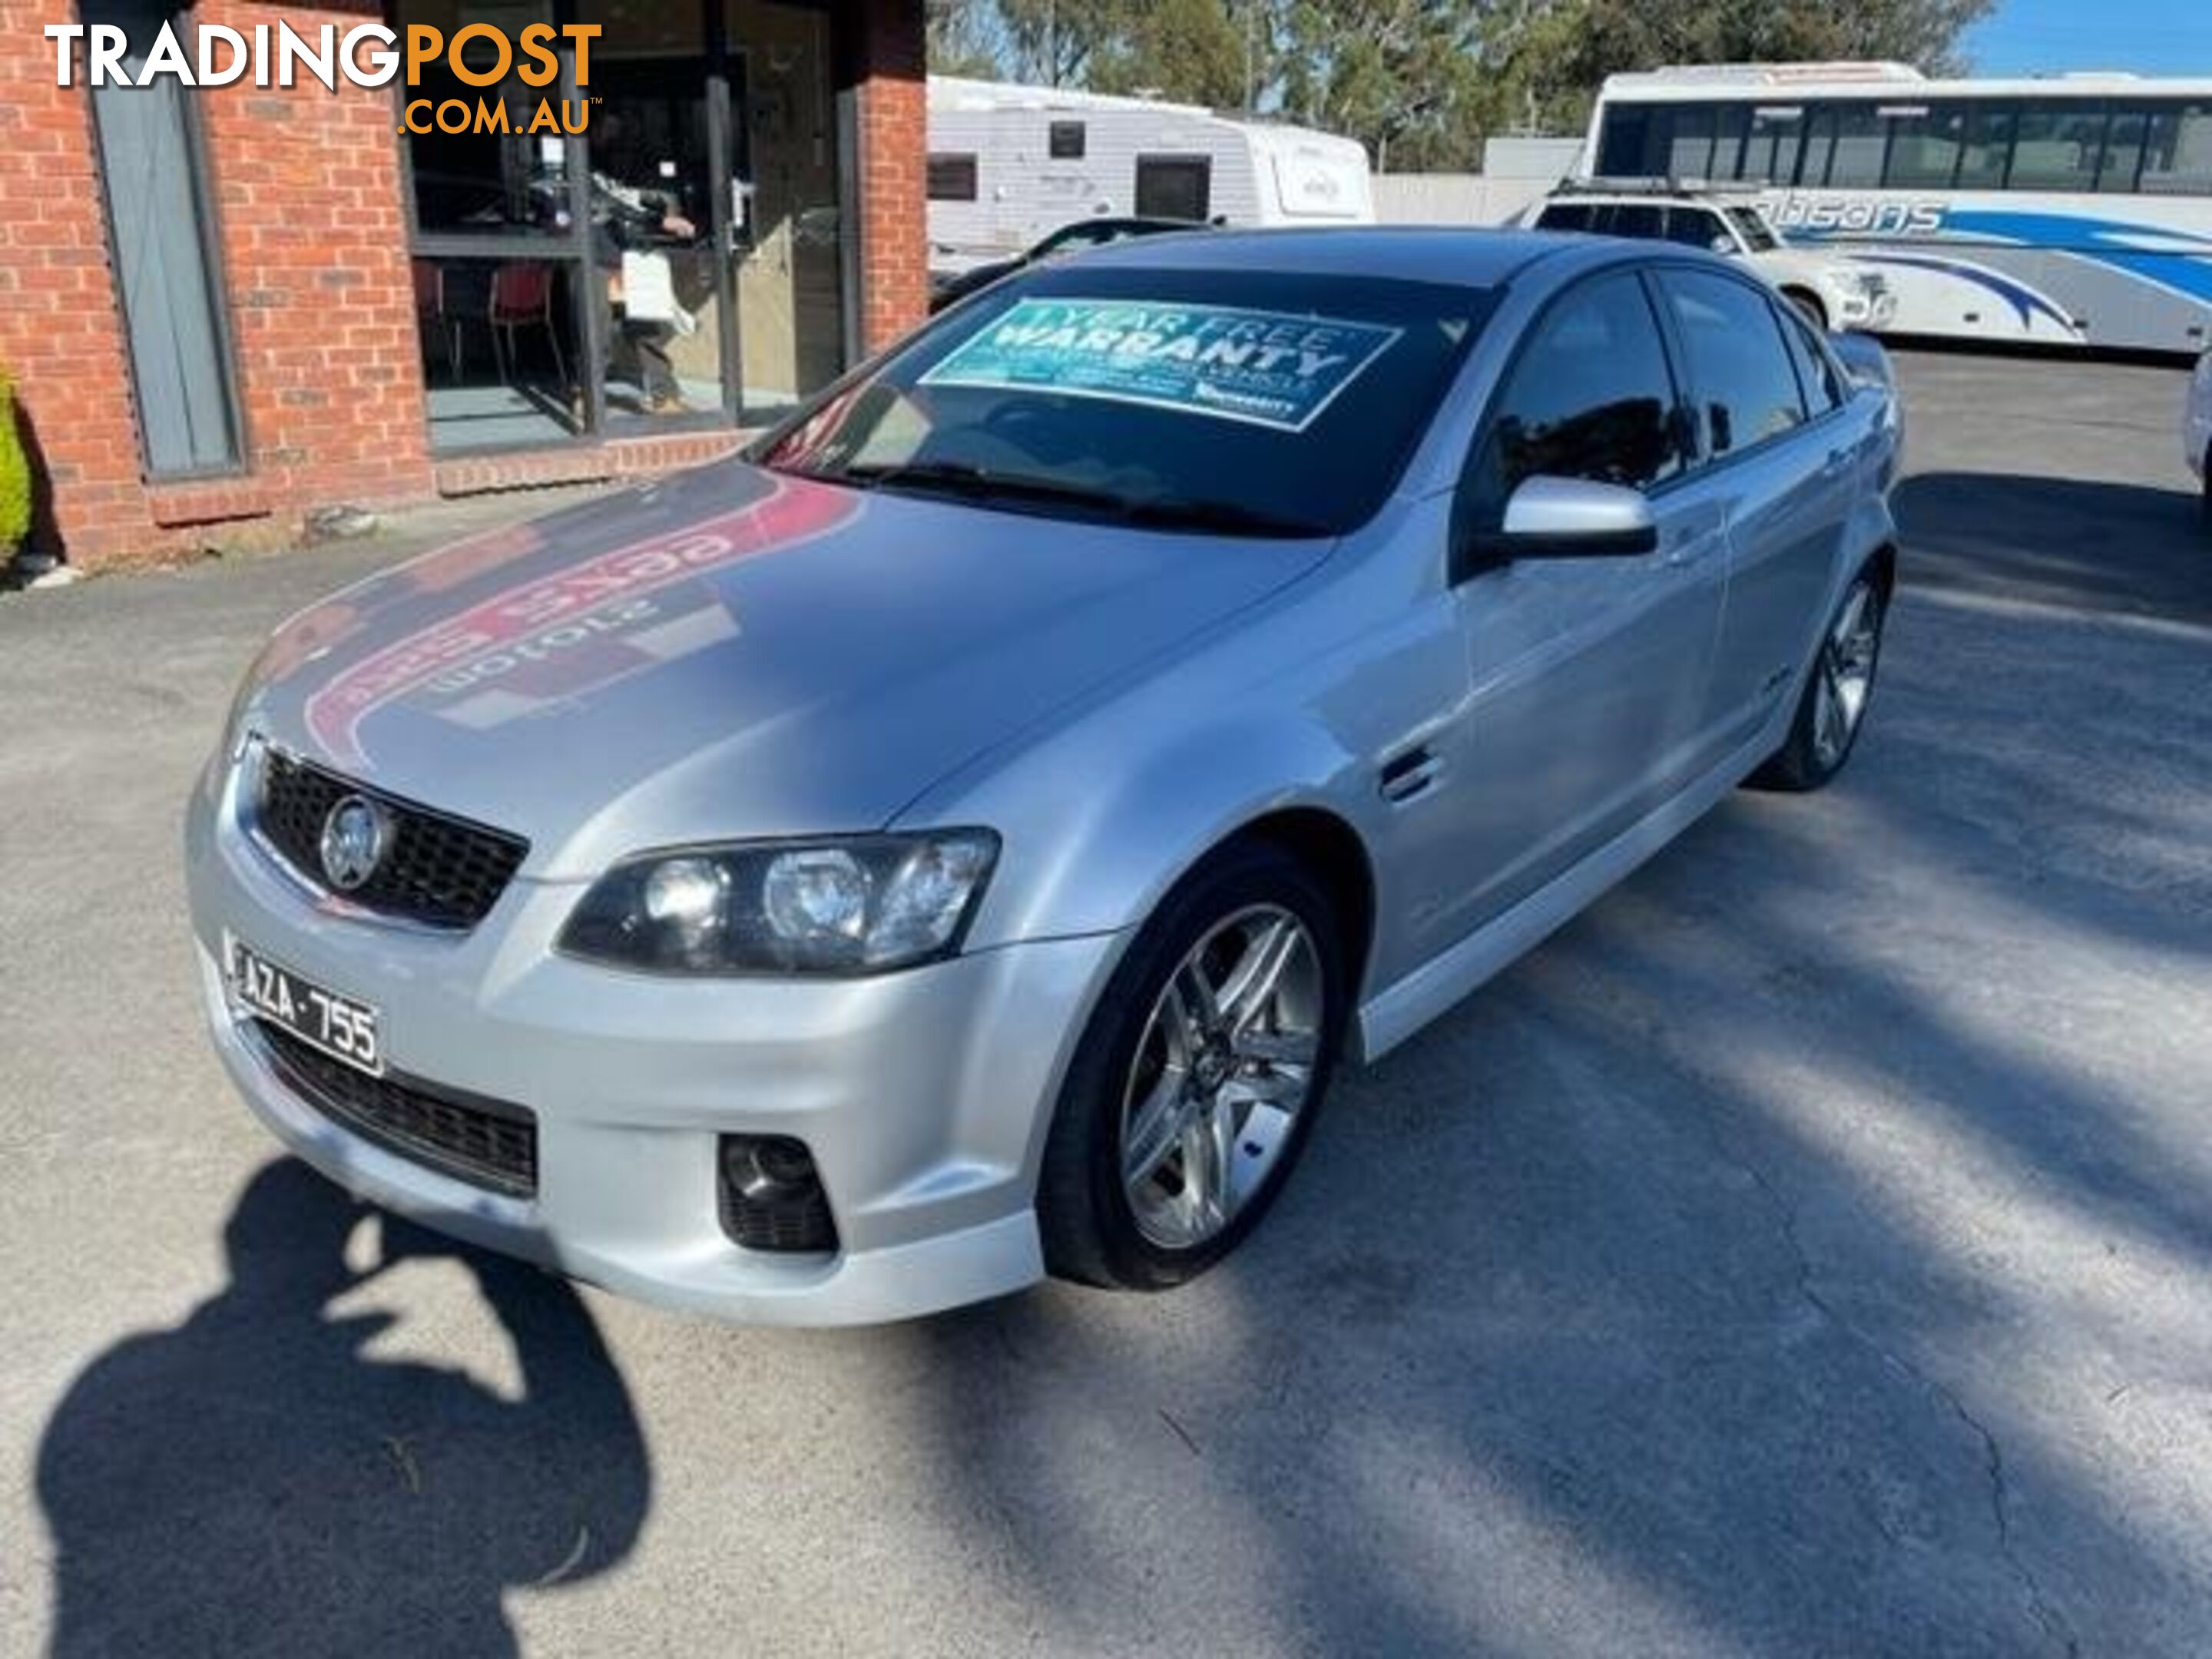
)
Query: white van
[{"x": 1009, "y": 164}]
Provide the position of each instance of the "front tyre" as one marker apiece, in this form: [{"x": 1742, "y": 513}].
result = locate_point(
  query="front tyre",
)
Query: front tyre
[
  {"x": 1197, "y": 1080},
  {"x": 1833, "y": 708}
]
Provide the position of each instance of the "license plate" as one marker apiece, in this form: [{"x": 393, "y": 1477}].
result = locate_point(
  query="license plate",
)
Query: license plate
[{"x": 339, "y": 1026}]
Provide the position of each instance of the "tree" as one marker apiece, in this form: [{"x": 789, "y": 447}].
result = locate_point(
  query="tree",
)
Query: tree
[
  {"x": 1190, "y": 51},
  {"x": 960, "y": 40}
]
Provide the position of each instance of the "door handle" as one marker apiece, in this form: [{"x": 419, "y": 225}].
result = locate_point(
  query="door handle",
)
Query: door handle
[{"x": 1409, "y": 773}]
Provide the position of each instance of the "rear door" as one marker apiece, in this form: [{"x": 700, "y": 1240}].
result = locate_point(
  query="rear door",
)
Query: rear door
[
  {"x": 1775, "y": 439},
  {"x": 1588, "y": 677}
]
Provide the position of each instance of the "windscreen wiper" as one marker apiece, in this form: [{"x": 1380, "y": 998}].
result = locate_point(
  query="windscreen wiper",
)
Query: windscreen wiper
[{"x": 968, "y": 482}]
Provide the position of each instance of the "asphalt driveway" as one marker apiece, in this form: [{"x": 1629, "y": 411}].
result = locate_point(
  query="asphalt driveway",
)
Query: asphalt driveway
[{"x": 1805, "y": 1252}]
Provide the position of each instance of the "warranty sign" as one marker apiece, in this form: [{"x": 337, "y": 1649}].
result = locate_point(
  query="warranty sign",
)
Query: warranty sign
[{"x": 1264, "y": 367}]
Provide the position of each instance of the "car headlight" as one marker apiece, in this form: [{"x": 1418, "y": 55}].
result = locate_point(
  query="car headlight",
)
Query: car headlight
[{"x": 850, "y": 905}]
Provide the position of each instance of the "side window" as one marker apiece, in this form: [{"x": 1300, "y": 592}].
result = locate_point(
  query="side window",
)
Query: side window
[
  {"x": 1564, "y": 215},
  {"x": 951, "y": 177},
  {"x": 1698, "y": 228},
  {"x": 1642, "y": 221},
  {"x": 1064, "y": 140},
  {"x": 1590, "y": 397},
  {"x": 1817, "y": 374},
  {"x": 1742, "y": 384}
]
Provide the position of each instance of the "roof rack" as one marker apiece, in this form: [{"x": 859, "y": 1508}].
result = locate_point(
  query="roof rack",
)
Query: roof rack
[{"x": 1635, "y": 187}]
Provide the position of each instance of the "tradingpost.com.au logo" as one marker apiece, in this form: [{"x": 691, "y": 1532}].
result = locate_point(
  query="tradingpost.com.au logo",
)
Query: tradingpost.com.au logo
[{"x": 367, "y": 56}]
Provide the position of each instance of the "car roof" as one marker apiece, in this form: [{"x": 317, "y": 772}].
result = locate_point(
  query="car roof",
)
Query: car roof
[{"x": 1462, "y": 258}]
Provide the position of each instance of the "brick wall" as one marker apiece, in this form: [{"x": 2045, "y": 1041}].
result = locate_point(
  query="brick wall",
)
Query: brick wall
[
  {"x": 308, "y": 201},
  {"x": 888, "y": 61}
]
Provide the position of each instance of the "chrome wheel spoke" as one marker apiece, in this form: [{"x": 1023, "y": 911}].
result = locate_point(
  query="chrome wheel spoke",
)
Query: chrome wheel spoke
[
  {"x": 1275, "y": 1047},
  {"x": 1153, "y": 1128},
  {"x": 1252, "y": 984}
]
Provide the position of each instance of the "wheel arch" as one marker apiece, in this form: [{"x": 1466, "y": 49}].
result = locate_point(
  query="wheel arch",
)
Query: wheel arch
[
  {"x": 1328, "y": 845},
  {"x": 1806, "y": 297}
]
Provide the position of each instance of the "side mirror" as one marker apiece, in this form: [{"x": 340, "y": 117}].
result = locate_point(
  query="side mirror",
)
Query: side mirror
[{"x": 1563, "y": 518}]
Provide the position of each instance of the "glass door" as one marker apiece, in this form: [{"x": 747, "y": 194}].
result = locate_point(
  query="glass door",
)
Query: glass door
[
  {"x": 784, "y": 232},
  {"x": 655, "y": 277}
]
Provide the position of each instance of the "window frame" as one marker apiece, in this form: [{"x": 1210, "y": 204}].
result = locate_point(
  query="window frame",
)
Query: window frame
[{"x": 208, "y": 224}]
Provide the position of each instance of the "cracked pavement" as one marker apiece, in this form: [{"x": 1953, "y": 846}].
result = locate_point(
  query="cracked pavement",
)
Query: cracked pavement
[{"x": 1804, "y": 1252}]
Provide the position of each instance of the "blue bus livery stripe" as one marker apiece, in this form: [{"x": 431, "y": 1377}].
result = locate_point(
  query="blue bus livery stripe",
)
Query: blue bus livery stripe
[{"x": 2025, "y": 300}]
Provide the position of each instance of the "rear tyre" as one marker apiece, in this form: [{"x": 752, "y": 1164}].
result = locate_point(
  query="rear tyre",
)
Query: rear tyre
[
  {"x": 1196, "y": 1082},
  {"x": 1832, "y": 710},
  {"x": 1808, "y": 306}
]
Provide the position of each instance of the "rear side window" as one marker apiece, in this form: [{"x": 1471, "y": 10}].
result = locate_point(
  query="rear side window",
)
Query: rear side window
[
  {"x": 1590, "y": 398},
  {"x": 1566, "y": 216},
  {"x": 1741, "y": 382},
  {"x": 1640, "y": 221},
  {"x": 1816, "y": 370}
]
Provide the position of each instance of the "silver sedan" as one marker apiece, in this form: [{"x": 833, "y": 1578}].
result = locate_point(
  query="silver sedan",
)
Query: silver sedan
[{"x": 959, "y": 841}]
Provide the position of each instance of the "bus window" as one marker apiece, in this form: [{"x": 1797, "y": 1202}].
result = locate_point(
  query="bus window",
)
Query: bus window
[
  {"x": 1924, "y": 148},
  {"x": 1856, "y": 164},
  {"x": 2058, "y": 147},
  {"x": 1988, "y": 149},
  {"x": 1770, "y": 155},
  {"x": 1731, "y": 122},
  {"x": 1624, "y": 146},
  {"x": 2124, "y": 149},
  {"x": 2177, "y": 153},
  {"x": 1690, "y": 150}
]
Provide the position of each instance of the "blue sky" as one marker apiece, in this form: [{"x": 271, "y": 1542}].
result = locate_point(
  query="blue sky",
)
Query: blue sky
[{"x": 2038, "y": 37}]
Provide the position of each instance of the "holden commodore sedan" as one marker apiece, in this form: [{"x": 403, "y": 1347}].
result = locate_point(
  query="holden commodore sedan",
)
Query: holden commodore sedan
[{"x": 959, "y": 841}]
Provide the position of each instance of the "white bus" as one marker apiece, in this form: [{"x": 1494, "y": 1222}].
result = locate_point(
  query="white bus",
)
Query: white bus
[
  {"x": 1008, "y": 165},
  {"x": 2071, "y": 211}
]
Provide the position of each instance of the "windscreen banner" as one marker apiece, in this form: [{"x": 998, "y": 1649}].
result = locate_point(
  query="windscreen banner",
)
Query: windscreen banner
[{"x": 1267, "y": 368}]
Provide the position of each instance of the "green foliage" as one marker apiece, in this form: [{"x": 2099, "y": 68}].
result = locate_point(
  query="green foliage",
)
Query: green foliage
[
  {"x": 1421, "y": 82},
  {"x": 15, "y": 474}
]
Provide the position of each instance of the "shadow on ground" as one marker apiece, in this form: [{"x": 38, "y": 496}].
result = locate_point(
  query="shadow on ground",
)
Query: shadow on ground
[
  {"x": 252, "y": 1481},
  {"x": 1718, "y": 1280},
  {"x": 2079, "y": 544}
]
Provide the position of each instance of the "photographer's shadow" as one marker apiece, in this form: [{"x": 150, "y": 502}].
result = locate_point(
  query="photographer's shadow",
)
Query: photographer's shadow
[{"x": 250, "y": 1482}]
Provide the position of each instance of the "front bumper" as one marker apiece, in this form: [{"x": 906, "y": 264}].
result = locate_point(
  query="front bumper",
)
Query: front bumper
[{"x": 923, "y": 1096}]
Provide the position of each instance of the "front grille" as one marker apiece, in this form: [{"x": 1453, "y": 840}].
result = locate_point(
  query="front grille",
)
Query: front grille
[
  {"x": 486, "y": 1142},
  {"x": 441, "y": 871}
]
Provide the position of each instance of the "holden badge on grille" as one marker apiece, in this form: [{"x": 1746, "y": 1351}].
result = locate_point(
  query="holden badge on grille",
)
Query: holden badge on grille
[{"x": 355, "y": 836}]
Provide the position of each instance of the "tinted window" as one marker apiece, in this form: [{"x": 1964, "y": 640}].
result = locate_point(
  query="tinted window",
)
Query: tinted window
[
  {"x": 1770, "y": 156},
  {"x": 1087, "y": 413},
  {"x": 2058, "y": 147},
  {"x": 2124, "y": 149},
  {"x": 1743, "y": 387},
  {"x": 1924, "y": 148},
  {"x": 1566, "y": 216},
  {"x": 1641, "y": 221},
  {"x": 1590, "y": 398},
  {"x": 1859, "y": 141},
  {"x": 1699, "y": 228},
  {"x": 1987, "y": 151},
  {"x": 951, "y": 177},
  {"x": 1065, "y": 140},
  {"x": 1817, "y": 375},
  {"x": 1624, "y": 144},
  {"x": 2178, "y": 153}
]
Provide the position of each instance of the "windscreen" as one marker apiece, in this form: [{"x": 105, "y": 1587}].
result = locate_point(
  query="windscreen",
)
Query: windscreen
[{"x": 1229, "y": 401}]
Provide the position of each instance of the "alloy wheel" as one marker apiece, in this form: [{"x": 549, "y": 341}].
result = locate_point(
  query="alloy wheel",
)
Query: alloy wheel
[
  {"x": 1846, "y": 674},
  {"x": 1224, "y": 1066}
]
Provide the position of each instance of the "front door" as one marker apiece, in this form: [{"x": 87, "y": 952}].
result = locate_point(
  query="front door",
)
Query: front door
[{"x": 1588, "y": 677}]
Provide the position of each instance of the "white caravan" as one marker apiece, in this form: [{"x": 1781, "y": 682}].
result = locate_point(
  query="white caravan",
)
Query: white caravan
[{"x": 1009, "y": 164}]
